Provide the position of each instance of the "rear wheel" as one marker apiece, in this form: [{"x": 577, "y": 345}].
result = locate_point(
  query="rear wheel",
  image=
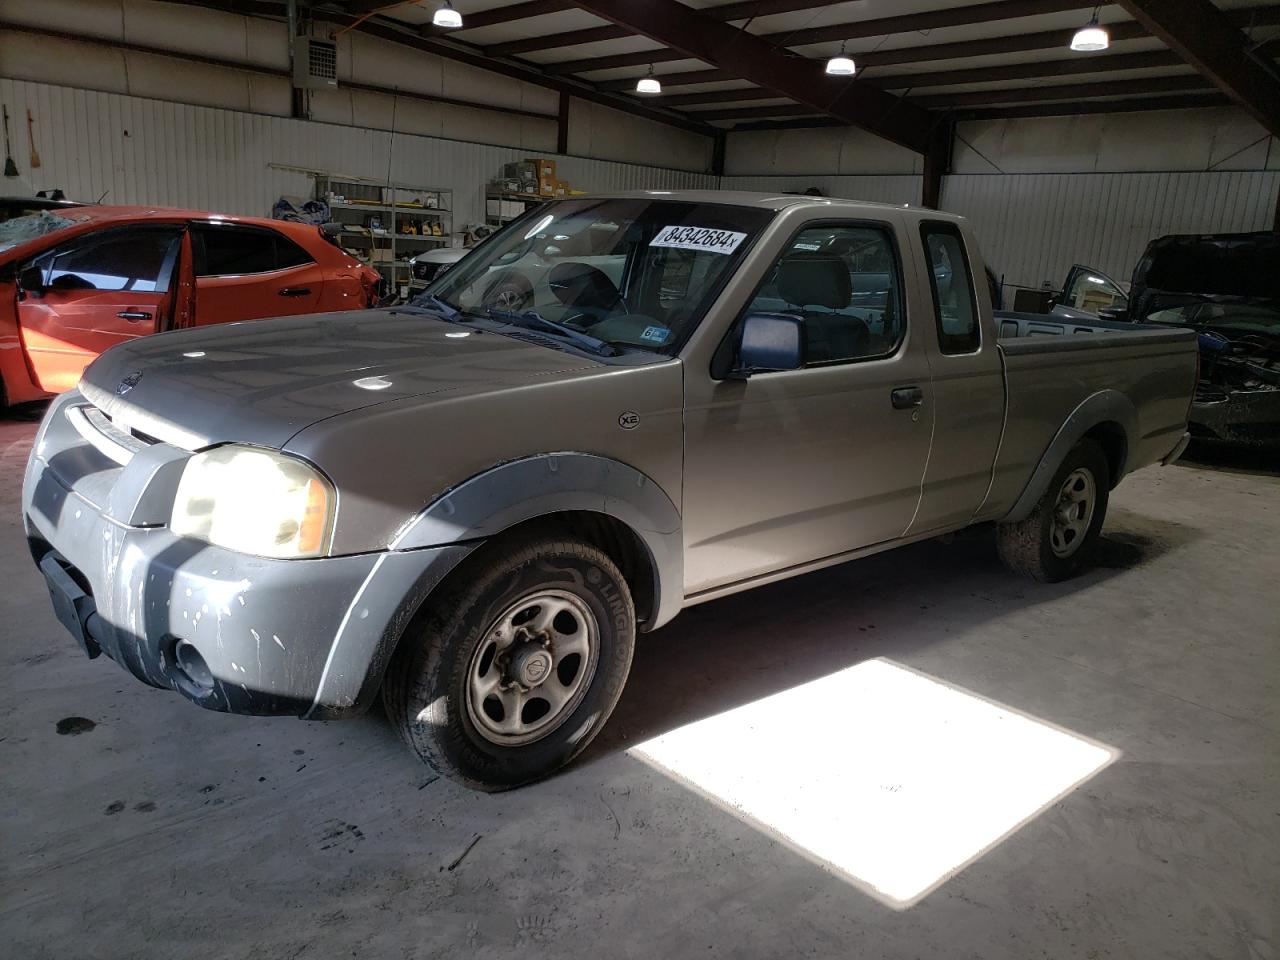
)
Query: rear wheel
[
  {"x": 515, "y": 671},
  {"x": 1060, "y": 536}
]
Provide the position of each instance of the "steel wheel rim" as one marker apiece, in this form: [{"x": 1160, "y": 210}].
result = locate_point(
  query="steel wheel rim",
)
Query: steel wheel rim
[
  {"x": 510, "y": 298},
  {"x": 1072, "y": 513},
  {"x": 516, "y": 689}
]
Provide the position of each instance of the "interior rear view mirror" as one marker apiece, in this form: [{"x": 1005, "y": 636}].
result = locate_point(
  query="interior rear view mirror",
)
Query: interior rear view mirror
[{"x": 770, "y": 341}]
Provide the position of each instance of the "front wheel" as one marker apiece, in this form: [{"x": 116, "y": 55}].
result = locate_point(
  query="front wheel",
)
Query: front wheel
[
  {"x": 1059, "y": 537},
  {"x": 515, "y": 670}
]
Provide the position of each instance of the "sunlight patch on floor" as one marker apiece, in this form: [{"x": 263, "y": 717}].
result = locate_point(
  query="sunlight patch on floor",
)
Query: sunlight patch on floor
[{"x": 891, "y": 778}]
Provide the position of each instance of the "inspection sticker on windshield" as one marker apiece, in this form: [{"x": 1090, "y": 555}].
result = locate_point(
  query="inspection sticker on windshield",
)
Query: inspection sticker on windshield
[{"x": 698, "y": 238}]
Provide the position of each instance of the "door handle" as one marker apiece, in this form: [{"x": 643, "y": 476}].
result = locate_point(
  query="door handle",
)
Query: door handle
[
  {"x": 295, "y": 291},
  {"x": 133, "y": 315},
  {"x": 904, "y": 398}
]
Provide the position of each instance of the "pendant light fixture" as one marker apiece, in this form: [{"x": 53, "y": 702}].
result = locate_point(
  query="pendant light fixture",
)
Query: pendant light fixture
[
  {"x": 446, "y": 17},
  {"x": 1092, "y": 36},
  {"x": 649, "y": 84},
  {"x": 841, "y": 65}
]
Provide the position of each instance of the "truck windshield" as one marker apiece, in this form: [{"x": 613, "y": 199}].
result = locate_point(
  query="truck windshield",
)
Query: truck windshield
[{"x": 629, "y": 272}]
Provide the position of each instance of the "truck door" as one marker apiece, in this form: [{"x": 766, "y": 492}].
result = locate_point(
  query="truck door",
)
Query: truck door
[
  {"x": 95, "y": 291},
  {"x": 968, "y": 381},
  {"x": 246, "y": 272},
  {"x": 794, "y": 466},
  {"x": 1094, "y": 292}
]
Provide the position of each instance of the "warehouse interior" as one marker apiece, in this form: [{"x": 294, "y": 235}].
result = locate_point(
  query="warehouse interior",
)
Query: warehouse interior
[{"x": 913, "y": 754}]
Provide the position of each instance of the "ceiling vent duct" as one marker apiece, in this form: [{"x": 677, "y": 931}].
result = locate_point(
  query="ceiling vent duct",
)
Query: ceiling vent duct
[{"x": 315, "y": 64}]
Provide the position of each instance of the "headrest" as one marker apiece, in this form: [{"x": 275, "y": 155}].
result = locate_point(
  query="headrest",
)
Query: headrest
[{"x": 814, "y": 279}]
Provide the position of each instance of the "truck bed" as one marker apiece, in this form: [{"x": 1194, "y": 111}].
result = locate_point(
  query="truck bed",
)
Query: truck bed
[{"x": 1051, "y": 366}]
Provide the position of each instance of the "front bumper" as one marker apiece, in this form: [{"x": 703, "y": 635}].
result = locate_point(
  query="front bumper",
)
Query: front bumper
[
  {"x": 1250, "y": 417},
  {"x": 303, "y": 637}
]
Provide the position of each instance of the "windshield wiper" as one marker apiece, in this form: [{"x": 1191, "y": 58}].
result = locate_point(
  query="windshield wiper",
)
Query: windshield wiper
[
  {"x": 441, "y": 306},
  {"x": 532, "y": 320}
]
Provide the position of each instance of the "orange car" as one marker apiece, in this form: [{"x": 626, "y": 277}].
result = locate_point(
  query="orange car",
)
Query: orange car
[{"x": 75, "y": 282}]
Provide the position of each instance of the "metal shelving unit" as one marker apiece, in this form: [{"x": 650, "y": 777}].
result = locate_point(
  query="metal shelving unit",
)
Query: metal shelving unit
[
  {"x": 384, "y": 224},
  {"x": 494, "y": 196}
]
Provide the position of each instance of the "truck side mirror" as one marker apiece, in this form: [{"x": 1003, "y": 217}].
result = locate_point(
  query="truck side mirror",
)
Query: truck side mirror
[
  {"x": 770, "y": 341},
  {"x": 31, "y": 280}
]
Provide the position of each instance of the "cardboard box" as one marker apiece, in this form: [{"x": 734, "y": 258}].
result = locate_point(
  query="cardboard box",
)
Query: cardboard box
[
  {"x": 493, "y": 208},
  {"x": 562, "y": 188},
  {"x": 544, "y": 169},
  {"x": 521, "y": 170},
  {"x": 530, "y": 187},
  {"x": 380, "y": 255},
  {"x": 511, "y": 209},
  {"x": 546, "y": 188}
]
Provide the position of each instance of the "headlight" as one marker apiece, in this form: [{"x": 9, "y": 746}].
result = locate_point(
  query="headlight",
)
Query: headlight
[{"x": 254, "y": 501}]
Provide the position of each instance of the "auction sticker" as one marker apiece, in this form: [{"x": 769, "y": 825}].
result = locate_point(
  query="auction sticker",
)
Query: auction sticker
[{"x": 698, "y": 238}]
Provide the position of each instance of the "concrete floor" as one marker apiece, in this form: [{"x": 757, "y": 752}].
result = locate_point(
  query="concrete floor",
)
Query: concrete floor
[{"x": 166, "y": 831}]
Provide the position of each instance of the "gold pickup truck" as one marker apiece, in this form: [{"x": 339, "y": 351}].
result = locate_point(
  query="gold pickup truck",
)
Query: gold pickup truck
[{"x": 615, "y": 408}]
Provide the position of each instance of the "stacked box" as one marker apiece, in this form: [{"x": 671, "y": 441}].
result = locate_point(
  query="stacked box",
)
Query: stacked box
[{"x": 521, "y": 170}]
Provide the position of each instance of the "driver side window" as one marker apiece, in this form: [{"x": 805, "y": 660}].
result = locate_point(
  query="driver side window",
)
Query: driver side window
[
  {"x": 843, "y": 281},
  {"x": 133, "y": 259}
]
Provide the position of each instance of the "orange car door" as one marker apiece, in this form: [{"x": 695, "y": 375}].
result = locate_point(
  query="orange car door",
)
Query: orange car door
[
  {"x": 95, "y": 291},
  {"x": 246, "y": 272}
]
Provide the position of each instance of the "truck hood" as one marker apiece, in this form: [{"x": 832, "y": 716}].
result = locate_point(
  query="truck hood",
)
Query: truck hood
[{"x": 260, "y": 382}]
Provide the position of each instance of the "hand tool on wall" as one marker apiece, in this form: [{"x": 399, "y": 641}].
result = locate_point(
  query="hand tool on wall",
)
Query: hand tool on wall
[
  {"x": 31, "y": 139},
  {"x": 10, "y": 168}
]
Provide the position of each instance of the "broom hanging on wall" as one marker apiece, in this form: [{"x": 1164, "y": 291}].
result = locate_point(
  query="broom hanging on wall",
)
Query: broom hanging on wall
[
  {"x": 10, "y": 168},
  {"x": 31, "y": 139}
]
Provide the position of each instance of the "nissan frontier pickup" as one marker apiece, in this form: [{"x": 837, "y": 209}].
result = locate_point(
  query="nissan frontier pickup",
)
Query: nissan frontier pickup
[{"x": 615, "y": 408}]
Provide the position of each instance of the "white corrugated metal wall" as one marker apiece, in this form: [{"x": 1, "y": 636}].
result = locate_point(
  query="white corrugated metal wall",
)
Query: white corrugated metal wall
[
  {"x": 894, "y": 188},
  {"x": 1033, "y": 227},
  {"x": 137, "y": 150}
]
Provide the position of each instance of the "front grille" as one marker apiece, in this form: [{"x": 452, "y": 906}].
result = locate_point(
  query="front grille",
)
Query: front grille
[{"x": 103, "y": 435}]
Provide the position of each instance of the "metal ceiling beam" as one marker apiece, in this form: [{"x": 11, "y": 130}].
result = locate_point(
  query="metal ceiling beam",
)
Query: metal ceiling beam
[
  {"x": 989, "y": 46},
  {"x": 1154, "y": 59},
  {"x": 726, "y": 12},
  {"x": 464, "y": 53},
  {"x": 1072, "y": 91},
  {"x": 1261, "y": 15},
  {"x": 741, "y": 54},
  {"x": 1076, "y": 108},
  {"x": 1069, "y": 109},
  {"x": 491, "y": 18},
  {"x": 769, "y": 110},
  {"x": 1111, "y": 63},
  {"x": 1200, "y": 33},
  {"x": 924, "y": 21},
  {"x": 928, "y": 20},
  {"x": 680, "y": 79}
]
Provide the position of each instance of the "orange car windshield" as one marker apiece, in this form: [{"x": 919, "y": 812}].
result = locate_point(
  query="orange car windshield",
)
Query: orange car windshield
[{"x": 21, "y": 229}]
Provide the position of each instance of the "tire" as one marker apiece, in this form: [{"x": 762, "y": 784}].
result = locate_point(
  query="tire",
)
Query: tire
[
  {"x": 457, "y": 648},
  {"x": 508, "y": 293},
  {"x": 1044, "y": 546}
]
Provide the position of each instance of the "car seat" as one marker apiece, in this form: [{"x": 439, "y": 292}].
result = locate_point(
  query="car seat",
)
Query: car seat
[{"x": 821, "y": 280}]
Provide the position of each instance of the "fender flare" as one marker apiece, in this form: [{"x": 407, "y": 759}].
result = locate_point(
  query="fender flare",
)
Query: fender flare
[
  {"x": 499, "y": 498},
  {"x": 1101, "y": 407}
]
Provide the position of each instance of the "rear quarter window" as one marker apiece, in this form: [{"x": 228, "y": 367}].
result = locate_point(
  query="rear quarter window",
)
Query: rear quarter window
[{"x": 951, "y": 282}]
